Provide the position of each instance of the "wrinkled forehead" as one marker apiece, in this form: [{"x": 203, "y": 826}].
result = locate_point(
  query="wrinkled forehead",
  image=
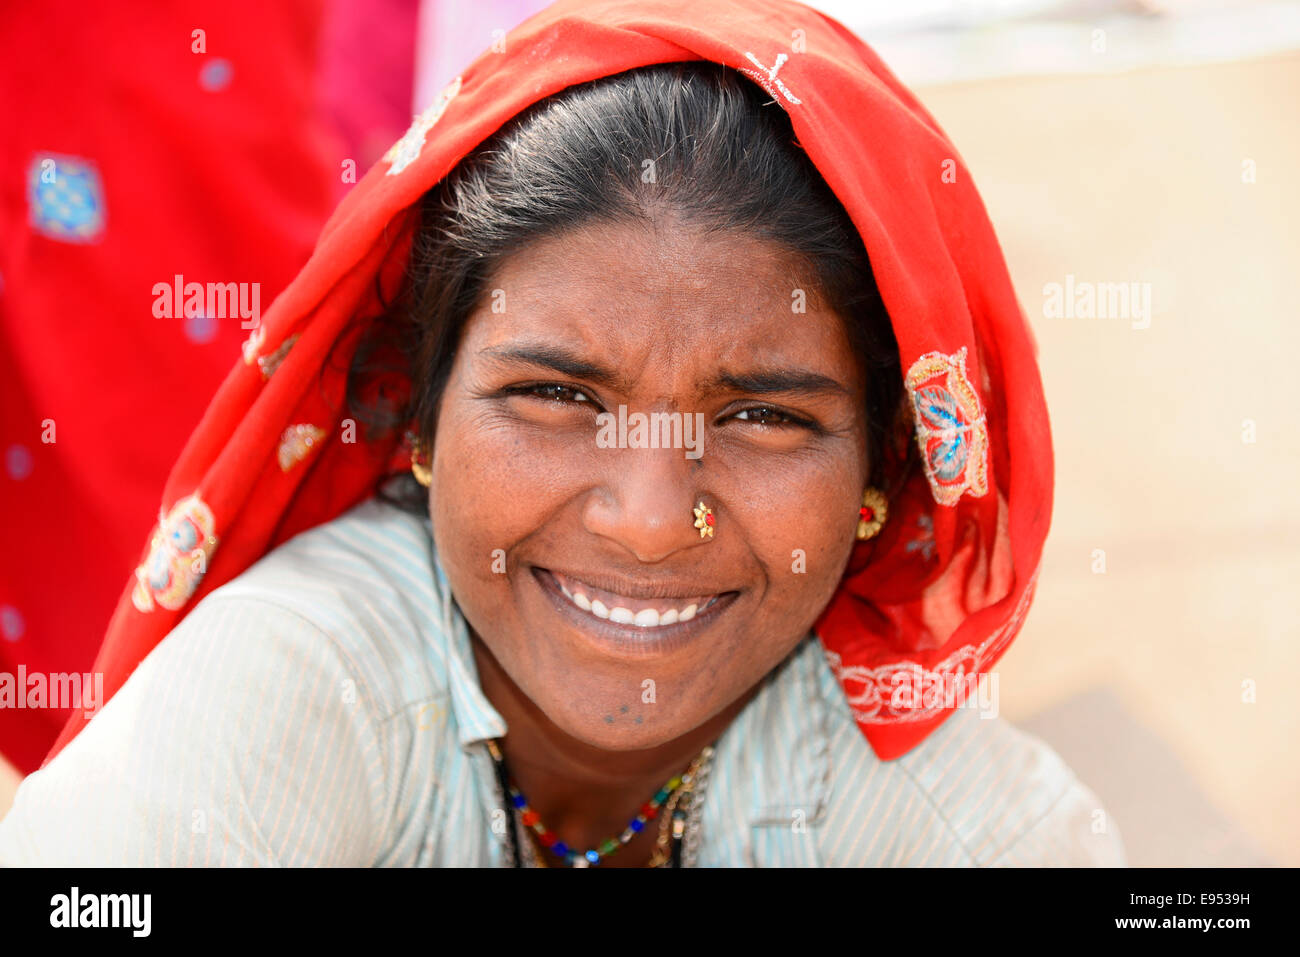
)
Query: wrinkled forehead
[{"x": 674, "y": 301}]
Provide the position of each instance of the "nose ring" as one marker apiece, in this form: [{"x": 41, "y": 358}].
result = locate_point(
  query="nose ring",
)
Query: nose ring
[{"x": 704, "y": 520}]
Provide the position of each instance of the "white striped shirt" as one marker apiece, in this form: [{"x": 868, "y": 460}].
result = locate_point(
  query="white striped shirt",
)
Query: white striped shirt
[{"x": 323, "y": 708}]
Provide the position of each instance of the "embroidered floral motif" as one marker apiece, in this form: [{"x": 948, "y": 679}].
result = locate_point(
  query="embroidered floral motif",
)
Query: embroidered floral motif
[
  {"x": 178, "y": 556},
  {"x": 269, "y": 363},
  {"x": 950, "y": 427},
  {"x": 873, "y": 695},
  {"x": 65, "y": 198},
  {"x": 297, "y": 443},
  {"x": 407, "y": 150}
]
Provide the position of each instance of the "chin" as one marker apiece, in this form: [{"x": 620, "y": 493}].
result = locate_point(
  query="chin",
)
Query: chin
[{"x": 613, "y": 729}]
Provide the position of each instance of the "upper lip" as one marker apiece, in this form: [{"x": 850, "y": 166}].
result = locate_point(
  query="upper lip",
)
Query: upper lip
[{"x": 642, "y": 590}]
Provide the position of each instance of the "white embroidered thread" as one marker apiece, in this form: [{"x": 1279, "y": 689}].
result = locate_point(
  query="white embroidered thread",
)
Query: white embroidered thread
[
  {"x": 871, "y": 704},
  {"x": 407, "y": 150},
  {"x": 768, "y": 79}
]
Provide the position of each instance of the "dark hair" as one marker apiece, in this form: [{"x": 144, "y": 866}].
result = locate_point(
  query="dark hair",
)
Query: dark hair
[{"x": 725, "y": 159}]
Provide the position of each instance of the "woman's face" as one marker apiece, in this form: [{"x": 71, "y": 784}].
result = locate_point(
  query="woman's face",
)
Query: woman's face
[{"x": 533, "y": 494}]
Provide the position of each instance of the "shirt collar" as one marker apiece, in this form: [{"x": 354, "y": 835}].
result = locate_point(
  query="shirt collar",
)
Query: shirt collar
[
  {"x": 780, "y": 743},
  {"x": 476, "y": 719}
]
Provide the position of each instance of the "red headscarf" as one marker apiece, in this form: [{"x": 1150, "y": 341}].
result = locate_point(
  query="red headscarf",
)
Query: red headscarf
[{"x": 940, "y": 593}]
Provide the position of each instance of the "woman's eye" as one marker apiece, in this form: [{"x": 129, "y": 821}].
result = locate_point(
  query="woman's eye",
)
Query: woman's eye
[
  {"x": 763, "y": 415},
  {"x": 553, "y": 391}
]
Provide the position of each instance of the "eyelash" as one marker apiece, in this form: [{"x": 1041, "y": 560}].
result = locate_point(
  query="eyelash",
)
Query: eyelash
[{"x": 535, "y": 390}]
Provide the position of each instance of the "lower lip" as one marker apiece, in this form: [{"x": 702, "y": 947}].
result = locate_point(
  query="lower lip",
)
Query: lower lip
[{"x": 629, "y": 641}]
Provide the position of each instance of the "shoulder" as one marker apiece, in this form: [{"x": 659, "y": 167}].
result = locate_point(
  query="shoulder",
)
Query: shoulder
[
  {"x": 366, "y": 584},
  {"x": 271, "y": 726},
  {"x": 977, "y": 792}
]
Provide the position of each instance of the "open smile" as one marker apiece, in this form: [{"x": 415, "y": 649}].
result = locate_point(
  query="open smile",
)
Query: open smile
[
  {"x": 628, "y": 622},
  {"x": 627, "y": 610}
]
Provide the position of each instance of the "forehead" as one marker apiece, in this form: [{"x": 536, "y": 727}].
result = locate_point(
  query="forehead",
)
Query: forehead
[{"x": 666, "y": 296}]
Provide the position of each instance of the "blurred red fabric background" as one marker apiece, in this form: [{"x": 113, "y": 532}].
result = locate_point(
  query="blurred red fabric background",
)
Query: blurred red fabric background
[{"x": 139, "y": 143}]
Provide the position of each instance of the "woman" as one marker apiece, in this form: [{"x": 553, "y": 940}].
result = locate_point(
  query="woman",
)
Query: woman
[{"x": 713, "y": 512}]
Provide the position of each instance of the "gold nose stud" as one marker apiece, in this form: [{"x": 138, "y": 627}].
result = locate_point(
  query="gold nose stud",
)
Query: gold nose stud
[{"x": 704, "y": 520}]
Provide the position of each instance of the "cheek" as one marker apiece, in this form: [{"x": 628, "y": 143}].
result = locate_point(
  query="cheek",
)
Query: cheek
[
  {"x": 802, "y": 528},
  {"x": 493, "y": 485}
]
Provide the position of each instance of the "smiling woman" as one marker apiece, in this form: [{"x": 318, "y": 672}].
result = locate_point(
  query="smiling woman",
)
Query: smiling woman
[
  {"x": 511, "y": 642},
  {"x": 555, "y": 282}
]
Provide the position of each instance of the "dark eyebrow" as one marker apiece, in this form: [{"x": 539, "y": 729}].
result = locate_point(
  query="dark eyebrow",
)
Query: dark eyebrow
[
  {"x": 768, "y": 381},
  {"x": 758, "y": 382},
  {"x": 554, "y": 357}
]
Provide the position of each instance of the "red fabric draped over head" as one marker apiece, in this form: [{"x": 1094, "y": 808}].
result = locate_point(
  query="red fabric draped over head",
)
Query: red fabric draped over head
[{"x": 937, "y": 596}]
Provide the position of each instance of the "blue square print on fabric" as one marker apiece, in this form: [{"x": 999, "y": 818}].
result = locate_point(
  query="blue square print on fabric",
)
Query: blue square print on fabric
[{"x": 66, "y": 198}]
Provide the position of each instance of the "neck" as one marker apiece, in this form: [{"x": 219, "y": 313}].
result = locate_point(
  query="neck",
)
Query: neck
[{"x": 583, "y": 793}]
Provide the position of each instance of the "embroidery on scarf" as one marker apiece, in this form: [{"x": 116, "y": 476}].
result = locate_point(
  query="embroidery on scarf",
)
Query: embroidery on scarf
[
  {"x": 253, "y": 344},
  {"x": 407, "y": 150},
  {"x": 950, "y": 427},
  {"x": 767, "y": 79},
  {"x": 178, "y": 556},
  {"x": 873, "y": 703},
  {"x": 269, "y": 363},
  {"x": 65, "y": 196},
  {"x": 297, "y": 443}
]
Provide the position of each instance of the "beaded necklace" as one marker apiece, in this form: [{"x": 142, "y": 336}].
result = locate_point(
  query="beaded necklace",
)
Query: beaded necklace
[{"x": 672, "y": 828}]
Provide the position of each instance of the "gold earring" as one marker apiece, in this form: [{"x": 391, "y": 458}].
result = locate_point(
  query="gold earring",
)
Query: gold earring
[
  {"x": 872, "y": 515},
  {"x": 704, "y": 520},
  {"x": 419, "y": 464}
]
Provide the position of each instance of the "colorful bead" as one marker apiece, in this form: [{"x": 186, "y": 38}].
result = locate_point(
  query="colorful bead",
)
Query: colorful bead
[{"x": 590, "y": 858}]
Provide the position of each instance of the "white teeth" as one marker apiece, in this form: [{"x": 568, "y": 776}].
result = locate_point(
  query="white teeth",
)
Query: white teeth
[{"x": 646, "y": 618}]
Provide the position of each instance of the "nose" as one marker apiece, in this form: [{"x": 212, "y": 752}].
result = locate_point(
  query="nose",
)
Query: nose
[{"x": 645, "y": 503}]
